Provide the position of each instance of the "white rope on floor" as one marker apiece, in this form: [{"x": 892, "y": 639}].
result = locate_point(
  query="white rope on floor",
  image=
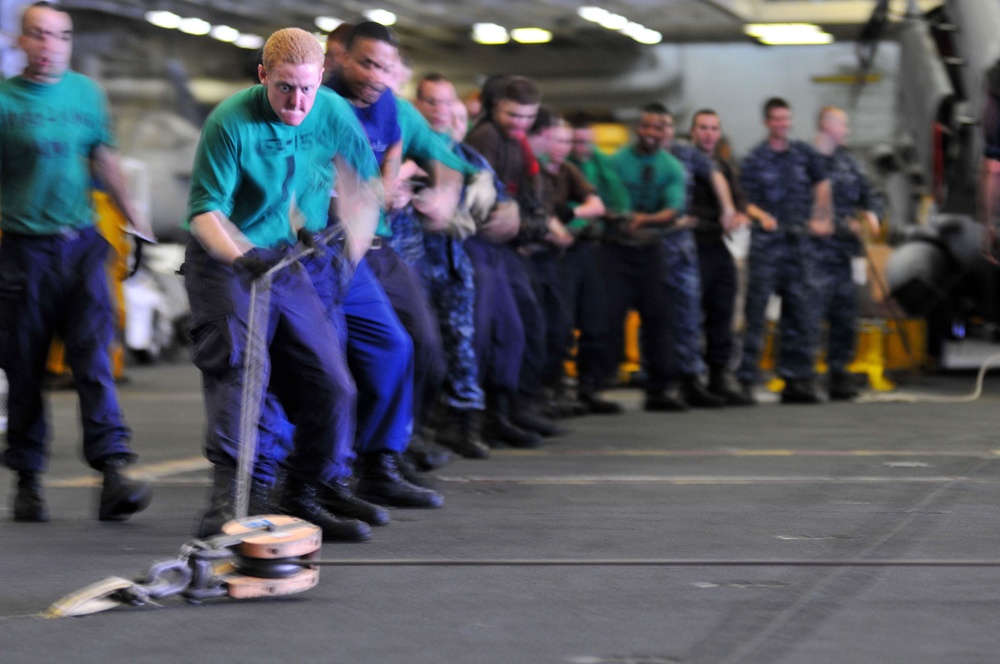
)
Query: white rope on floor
[{"x": 911, "y": 397}]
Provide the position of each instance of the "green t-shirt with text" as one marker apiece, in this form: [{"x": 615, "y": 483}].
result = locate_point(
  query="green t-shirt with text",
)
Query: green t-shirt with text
[
  {"x": 654, "y": 182},
  {"x": 250, "y": 166},
  {"x": 47, "y": 135}
]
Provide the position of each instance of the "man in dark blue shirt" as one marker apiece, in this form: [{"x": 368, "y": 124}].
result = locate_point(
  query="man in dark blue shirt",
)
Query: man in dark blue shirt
[
  {"x": 853, "y": 198},
  {"x": 786, "y": 178},
  {"x": 390, "y": 369},
  {"x": 680, "y": 254},
  {"x": 717, "y": 267}
]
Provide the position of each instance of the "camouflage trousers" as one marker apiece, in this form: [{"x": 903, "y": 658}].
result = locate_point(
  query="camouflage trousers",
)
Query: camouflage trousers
[
  {"x": 682, "y": 279},
  {"x": 782, "y": 263},
  {"x": 448, "y": 273},
  {"x": 407, "y": 238},
  {"x": 838, "y": 298}
]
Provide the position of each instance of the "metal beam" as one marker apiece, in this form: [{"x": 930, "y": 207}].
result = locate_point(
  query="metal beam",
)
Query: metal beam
[{"x": 829, "y": 13}]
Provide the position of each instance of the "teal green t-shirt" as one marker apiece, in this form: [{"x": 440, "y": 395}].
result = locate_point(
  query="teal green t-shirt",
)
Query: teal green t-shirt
[
  {"x": 654, "y": 182},
  {"x": 249, "y": 165},
  {"x": 600, "y": 173},
  {"x": 47, "y": 135},
  {"x": 421, "y": 142}
]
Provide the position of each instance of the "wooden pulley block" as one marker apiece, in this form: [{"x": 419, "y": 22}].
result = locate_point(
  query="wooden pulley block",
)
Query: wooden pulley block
[
  {"x": 271, "y": 536},
  {"x": 269, "y": 557}
]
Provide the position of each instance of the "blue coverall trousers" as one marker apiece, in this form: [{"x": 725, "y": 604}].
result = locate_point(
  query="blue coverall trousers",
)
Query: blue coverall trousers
[{"x": 57, "y": 284}]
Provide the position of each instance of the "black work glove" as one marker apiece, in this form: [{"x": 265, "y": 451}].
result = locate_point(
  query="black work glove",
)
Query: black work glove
[
  {"x": 306, "y": 239},
  {"x": 565, "y": 214},
  {"x": 255, "y": 262}
]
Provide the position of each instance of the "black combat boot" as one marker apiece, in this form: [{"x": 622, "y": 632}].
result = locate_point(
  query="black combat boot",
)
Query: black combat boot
[
  {"x": 558, "y": 404},
  {"x": 425, "y": 454},
  {"x": 381, "y": 482},
  {"x": 222, "y": 503},
  {"x": 121, "y": 496},
  {"x": 260, "y": 501},
  {"x": 499, "y": 430},
  {"x": 697, "y": 396},
  {"x": 340, "y": 500},
  {"x": 29, "y": 504},
  {"x": 222, "y": 507},
  {"x": 598, "y": 406},
  {"x": 722, "y": 384},
  {"x": 799, "y": 391},
  {"x": 842, "y": 387},
  {"x": 301, "y": 499},
  {"x": 524, "y": 414},
  {"x": 414, "y": 476},
  {"x": 665, "y": 401},
  {"x": 461, "y": 432}
]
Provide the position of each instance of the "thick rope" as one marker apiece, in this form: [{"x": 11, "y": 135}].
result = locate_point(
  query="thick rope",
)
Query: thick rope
[{"x": 254, "y": 361}]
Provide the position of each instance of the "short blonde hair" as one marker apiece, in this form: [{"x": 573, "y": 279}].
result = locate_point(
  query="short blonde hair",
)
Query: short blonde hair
[
  {"x": 826, "y": 112},
  {"x": 292, "y": 46}
]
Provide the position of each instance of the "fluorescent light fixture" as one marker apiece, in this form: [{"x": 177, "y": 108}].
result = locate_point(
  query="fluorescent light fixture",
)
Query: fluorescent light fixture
[
  {"x": 224, "y": 33},
  {"x": 619, "y": 23},
  {"x": 380, "y": 16},
  {"x": 613, "y": 22},
  {"x": 194, "y": 26},
  {"x": 489, "y": 33},
  {"x": 648, "y": 36},
  {"x": 593, "y": 14},
  {"x": 531, "y": 35},
  {"x": 249, "y": 41},
  {"x": 761, "y": 29},
  {"x": 788, "y": 33},
  {"x": 327, "y": 23},
  {"x": 633, "y": 29},
  {"x": 804, "y": 40},
  {"x": 168, "y": 20}
]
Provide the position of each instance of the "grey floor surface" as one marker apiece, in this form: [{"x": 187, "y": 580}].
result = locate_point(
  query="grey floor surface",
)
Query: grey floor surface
[{"x": 798, "y": 484}]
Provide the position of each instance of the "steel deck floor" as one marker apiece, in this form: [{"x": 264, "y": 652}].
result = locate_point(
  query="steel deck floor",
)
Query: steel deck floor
[{"x": 799, "y": 484}]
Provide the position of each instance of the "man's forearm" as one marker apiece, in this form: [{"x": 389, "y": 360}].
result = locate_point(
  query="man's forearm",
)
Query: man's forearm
[
  {"x": 990, "y": 192},
  {"x": 219, "y": 237},
  {"x": 722, "y": 191},
  {"x": 662, "y": 218},
  {"x": 591, "y": 207},
  {"x": 823, "y": 202},
  {"x": 106, "y": 168}
]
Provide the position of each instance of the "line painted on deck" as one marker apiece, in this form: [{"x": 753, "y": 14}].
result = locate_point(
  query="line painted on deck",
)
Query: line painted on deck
[
  {"x": 162, "y": 472},
  {"x": 159, "y": 397},
  {"x": 151, "y": 472},
  {"x": 710, "y": 479},
  {"x": 975, "y": 454}
]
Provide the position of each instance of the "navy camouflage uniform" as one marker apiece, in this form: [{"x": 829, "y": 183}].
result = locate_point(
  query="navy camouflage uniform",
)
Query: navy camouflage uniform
[
  {"x": 447, "y": 276},
  {"x": 683, "y": 276},
  {"x": 782, "y": 261},
  {"x": 838, "y": 300}
]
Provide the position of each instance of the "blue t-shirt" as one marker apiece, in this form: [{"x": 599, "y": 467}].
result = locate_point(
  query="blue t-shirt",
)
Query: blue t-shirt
[
  {"x": 379, "y": 119},
  {"x": 250, "y": 166},
  {"x": 781, "y": 183}
]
